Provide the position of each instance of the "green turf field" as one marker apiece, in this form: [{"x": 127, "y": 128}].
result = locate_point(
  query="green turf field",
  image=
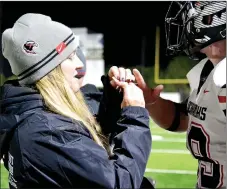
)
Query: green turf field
[{"x": 170, "y": 164}]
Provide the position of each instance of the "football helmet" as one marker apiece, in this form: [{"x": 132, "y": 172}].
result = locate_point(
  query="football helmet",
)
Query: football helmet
[{"x": 193, "y": 25}]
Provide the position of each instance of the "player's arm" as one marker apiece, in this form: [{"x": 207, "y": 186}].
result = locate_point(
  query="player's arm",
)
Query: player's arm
[
  {"x": 219, "y": 78},
  {"x": 222, "y": 99},
  {"x": 169, "y": 115}
]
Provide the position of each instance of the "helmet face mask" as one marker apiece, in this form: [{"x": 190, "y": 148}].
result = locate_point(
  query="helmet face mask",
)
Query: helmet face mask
[{"x": 191, "y": 26}]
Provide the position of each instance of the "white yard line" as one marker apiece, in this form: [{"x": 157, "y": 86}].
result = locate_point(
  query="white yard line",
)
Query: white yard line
[
  {"x": 170, "y": 151},
  {"x": 162, "y": 139},
  {"x": 158, "y": 132},
  {"x": 167, "y": 171},
  {"x": 172, "y": 140}
]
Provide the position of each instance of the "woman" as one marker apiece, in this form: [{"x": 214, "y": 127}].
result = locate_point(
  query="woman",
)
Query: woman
[{"x": 49, "y": 138}]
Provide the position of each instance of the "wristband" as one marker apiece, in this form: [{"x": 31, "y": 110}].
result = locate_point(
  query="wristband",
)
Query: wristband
[{"x": 176, "y": 121}]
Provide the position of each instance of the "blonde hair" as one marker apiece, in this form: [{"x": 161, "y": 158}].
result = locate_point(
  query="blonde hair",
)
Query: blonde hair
[{"x": 61, "y": 99}]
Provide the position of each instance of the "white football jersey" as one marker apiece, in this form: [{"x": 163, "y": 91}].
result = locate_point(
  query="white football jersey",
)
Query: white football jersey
[{"x": 206, "y": 134}]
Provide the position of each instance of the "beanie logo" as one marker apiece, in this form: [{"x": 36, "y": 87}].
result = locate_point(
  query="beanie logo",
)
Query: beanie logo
[
  {"x": 29, "y": 47},
  {"x": 60, "y": 47}
]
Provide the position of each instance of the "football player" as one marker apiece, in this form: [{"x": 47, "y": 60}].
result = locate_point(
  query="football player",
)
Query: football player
[{"x": 200, "y": 28}]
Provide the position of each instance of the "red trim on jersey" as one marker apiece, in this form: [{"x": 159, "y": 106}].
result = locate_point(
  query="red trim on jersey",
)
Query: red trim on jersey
[
  {"x": 222, "y": 99},
  {"x": 208, "y": 151},
  {"x": 206, "y": 135},
  {"x": 221, "y": 177}
]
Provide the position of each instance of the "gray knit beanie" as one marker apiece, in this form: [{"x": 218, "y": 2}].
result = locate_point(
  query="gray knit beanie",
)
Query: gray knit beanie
[{"x": 36, "y": 45}]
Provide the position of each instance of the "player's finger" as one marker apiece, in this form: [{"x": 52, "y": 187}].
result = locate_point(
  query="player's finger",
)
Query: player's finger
[
  {"x": 157, "y": 90},
  {"x": 139, "y": 79},
  {"x": 120, "y": 84}
]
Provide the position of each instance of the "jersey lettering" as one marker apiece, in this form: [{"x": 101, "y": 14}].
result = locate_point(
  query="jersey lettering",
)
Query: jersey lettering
[{"x": 196, "y": 111}]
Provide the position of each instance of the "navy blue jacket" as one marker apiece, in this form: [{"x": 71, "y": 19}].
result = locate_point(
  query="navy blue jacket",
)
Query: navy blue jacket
[
  {"x": 93, "y": 97},
  {"x": 44, "y": 149}
]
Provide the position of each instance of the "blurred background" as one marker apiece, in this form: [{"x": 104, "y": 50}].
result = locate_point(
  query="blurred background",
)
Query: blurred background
[{"x": 132, "y": 35}]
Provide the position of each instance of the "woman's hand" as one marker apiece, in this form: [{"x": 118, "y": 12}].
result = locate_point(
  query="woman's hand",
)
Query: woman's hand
[
  {"x": 132, "y": 95},
  {"x": 120, "y": 74}
]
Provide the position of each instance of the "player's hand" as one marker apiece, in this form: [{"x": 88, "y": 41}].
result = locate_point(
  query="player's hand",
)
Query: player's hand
[
  {"x": 150, "y": 95},
  {"x": 121, "y": 74},
  {"x": 132, "y": 95}
]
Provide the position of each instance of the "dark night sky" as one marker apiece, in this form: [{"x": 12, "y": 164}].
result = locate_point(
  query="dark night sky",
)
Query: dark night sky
[{"x": 122, "y": 23}]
